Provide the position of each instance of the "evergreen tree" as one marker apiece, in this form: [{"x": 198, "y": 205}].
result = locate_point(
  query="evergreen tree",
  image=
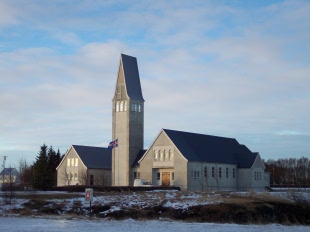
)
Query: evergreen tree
[
  {"x": 42, "y": 173},
  {"x": 53, "y": 162}
]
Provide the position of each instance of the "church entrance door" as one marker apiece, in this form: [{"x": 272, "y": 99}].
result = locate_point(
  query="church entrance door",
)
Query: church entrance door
[{"x": 166, "y": 179}]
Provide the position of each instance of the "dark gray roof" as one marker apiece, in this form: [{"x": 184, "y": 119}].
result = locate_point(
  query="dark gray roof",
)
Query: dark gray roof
[
  {"x": 95, "y": 157},
  {"x": 139, "y": 156},
  {"x": 213, "y": 149},
  {"x": 132, "y": 78},
  {"x": 9, "y": 171}
]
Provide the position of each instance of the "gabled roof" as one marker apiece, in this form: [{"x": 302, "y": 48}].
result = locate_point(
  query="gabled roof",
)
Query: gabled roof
[
  {"x": 9, "y": 171},
  {"x": 94, "y": 157},
  {"x": 139, "y": 156},
  {"x": 132, "y": 79},
  {"x": 212, "y": 149}
]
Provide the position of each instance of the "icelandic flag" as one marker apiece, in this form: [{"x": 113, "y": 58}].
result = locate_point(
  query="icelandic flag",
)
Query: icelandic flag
[{"x": 113, "y": 144}]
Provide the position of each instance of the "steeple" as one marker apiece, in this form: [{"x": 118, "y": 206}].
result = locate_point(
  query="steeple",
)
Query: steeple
[{"x": 127, "y": 120}]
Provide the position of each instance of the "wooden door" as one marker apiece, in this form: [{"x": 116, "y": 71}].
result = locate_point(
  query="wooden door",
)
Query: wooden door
[{"x": 165, "y": 179}]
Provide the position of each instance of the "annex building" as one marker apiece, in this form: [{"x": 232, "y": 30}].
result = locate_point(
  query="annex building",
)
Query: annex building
[{"x": 175, "y": 158}]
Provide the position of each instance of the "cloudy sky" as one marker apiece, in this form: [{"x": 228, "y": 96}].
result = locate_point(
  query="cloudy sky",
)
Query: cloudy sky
[{"x": 229, "y": 68}]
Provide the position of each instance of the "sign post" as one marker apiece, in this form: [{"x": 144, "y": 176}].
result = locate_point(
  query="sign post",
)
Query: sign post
[{"x": 89, "y": 197}]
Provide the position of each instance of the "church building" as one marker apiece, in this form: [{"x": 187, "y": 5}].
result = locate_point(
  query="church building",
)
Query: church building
[{"x": 188, "y": 160}]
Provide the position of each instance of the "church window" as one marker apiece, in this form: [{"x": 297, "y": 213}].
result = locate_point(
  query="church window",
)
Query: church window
[
  {"x": 136, "y": 175},
  {"x": 117, "y": 106},
  {"x": 213, "y": 171},
  {"x": 72, "y": 162},
  {"x": 220, "y": 172},
  {"x": 68, "y": 162},
  {"x": 234, "y": 173},
  {"x": 155, "y": 155},
  {"x": 226, "y": 172},
  {"x": 206, "y": 172},
  {"x": 160, "y": 155},
  {"x": 170, "y": 155},
  {"x": 158, "y": 175},
  {"x": 125, "y": 106}
]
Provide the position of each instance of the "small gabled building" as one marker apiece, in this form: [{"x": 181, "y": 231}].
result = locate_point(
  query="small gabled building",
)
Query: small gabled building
[
  {"x": 85, "y": 165},
  {"x": 9, "y": 175},
  {"x": 201, "y": 162}
]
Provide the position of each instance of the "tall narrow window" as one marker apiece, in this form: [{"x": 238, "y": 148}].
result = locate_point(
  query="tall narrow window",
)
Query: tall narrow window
[
  {"x": 234, "y": 173},
  {"x": 136, "y": 109},
  {"x": 206, "y": 172},
  {"x": 125, "y": 105},
  {"x": 160, "y": 155},
  {"x": 170, "y": 155},
  {"x": 68, "y": 162},
  {"x": 158, "y": 175},
  {"x": 132, "y": 107},
  {"x": 220, "y": 172},
  {"x": 155, "y": 156},
  {"x": 117, "y": 106},
  {"x": 172, "y": 175},
  {"x": 139, "y": 108},
  {"x": 226, "y": 172},
  {"x": 72, "y": 162},
  {"x": 75, "y": 176},
  {"x": 76, "y": 162},
  {"x": 165, "y": 157},
  {"x": 213, "y": 171},
  {"x": 121, "y": 106}
]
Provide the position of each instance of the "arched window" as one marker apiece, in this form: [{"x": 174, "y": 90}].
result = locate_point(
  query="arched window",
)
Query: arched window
[
  {"x": 165, "y": 156},
  {"x": 121, "y": 106},
  {"x": 170, "y": 155},
  {"x": 155, "y": 156},
  {"x": 160, "y": 155},
  {"x": 117, "y": 106}
]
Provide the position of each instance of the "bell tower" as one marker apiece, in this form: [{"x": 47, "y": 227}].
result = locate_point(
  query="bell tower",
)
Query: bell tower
[{"x": 127, "y": 121}]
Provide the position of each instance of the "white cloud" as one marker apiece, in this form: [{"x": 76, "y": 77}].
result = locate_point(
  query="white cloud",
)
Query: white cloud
[{"x": 207, "y": 68}]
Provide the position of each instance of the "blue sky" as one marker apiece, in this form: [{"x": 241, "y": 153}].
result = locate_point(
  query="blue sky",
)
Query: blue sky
[{"x": 236, "y": 69}]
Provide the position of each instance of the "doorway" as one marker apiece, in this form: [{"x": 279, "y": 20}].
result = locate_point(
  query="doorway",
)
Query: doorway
[{"x": 165, "y": 179}]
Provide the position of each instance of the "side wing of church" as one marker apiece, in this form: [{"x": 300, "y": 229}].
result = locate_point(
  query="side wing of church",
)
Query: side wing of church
[
  {"x": 190, "y": 161},
  {"x": 201, "y": 162}
]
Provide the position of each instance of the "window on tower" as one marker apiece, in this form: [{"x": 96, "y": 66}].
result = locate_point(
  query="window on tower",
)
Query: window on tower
[
  {"x": 121, "y": 106},
  {"x": 117, "y": 107}
]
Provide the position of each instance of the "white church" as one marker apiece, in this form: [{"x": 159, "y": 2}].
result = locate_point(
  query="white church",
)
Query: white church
[{"x": 188, "y": 160}]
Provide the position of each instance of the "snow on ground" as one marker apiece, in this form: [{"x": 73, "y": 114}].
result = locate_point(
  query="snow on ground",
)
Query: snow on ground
[
  {"x": 175, "y": 199},
  {"x": 16, "y": 224}
]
